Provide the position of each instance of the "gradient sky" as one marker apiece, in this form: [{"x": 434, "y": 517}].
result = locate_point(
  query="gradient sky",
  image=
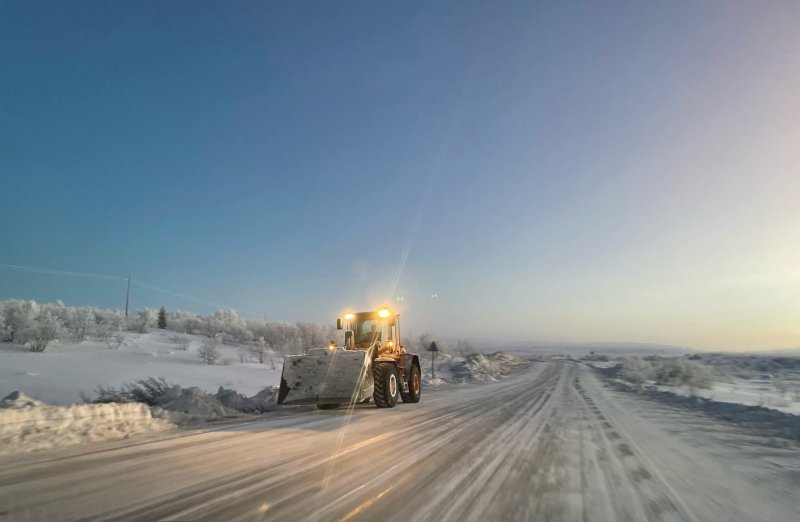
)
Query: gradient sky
[{"x": 583, "y": 171}]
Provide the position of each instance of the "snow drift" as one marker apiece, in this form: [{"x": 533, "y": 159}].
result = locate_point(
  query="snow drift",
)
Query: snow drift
[
  {"x": 29, "y": 425},
  {"x": 186, "y": 405}
]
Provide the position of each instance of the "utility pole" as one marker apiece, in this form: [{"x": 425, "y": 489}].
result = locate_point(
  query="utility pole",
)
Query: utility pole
[{"x": 127, "y": 296}]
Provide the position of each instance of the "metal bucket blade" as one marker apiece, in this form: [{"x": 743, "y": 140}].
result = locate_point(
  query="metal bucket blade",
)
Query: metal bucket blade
[{"x": 325, "y": 377}]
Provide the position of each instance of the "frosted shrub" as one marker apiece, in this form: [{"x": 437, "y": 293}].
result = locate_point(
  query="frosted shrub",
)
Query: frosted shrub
[
  {"x": 185, "y": 322},
  {"x": 147, "y": 391},
  {"x": 636, "y": 370},
  {"x": 670, "y": 371},
  {"x": 109, "y": 317},
  {"x": 111, "y": 335},
  {"x": 261, "y": 349},
  {"x": 695, "y": 375},
  {"x": 181, "y": 341},
  {"x": 245, "y": 355},
  {"x": 680, "y": 372},
  {"x": 209, "y": 352},
  {"x": 19, "y": 316},
  {"x": 44, "y": 329},
  {"x": 79, "y": 322},
  {"x": 277, "y": 339},
  {"x": 145, "y": 319},
  {"x": 3, "y": 328},
  {"x": 228, "y": 322}
]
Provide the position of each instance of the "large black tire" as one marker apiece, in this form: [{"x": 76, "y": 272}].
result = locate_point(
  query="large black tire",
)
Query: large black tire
[
  {"x": 414, "y": 385},
  {"x": 327, "y": 406},
  {"x": 387, "y": 384}
]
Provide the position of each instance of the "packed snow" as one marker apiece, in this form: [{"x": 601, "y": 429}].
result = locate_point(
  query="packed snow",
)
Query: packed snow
[{"x": 27, "y": 424}]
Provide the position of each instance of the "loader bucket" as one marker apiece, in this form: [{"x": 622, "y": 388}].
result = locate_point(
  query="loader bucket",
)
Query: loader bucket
[{"x": 326, "y": 377}]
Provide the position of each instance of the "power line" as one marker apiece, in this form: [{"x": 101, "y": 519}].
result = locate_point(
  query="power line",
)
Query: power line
[
  {"x": 89, "y": 275},
  {"x": 127, "y": 296},
  {"x": 52, "y": 271}
]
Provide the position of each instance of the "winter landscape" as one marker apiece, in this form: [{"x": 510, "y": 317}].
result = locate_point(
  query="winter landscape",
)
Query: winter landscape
[
  {"x": 600, "y": 435},
  {"x": 418, "y": 261}
]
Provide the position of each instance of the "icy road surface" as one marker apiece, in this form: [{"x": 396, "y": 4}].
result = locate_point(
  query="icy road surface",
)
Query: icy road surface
[{"x": 548, "y": 444}]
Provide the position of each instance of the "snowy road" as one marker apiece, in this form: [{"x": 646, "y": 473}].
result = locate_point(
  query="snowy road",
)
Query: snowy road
[{"x": 548, "y": 444}]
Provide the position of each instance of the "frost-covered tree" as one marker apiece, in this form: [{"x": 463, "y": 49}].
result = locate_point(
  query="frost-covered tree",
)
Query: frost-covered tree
[
  {"x": 79, "y": 322},
  {"x": 162, "y": 318},
  {"x": 282, "y": 337},
  {"x": 180, "y": 340},
  {"x": 209, "y": 352},
  {"x": 45, "y": 328},
  {"x": 145, "y": 319},
  {"x": 273, "y": 339},
  {"x": 111, "y": 335},
  {"x": 261, "y": 349},
  {"x": 3, "y": 329},
  {"x": 19, "y": 316},
  {"x": 61, "y": 311},
  {"x": 113, "y": 318},
  {"x": 681, "y": 372},
  {"x": 311, "y": 336},
  {"x": 257, "y": 327},
  {"x": 228, "y": 322},
  {"x": 186, "y": 322}
]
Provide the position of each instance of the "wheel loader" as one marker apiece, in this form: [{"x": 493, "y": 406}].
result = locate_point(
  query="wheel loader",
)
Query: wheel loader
[{"x": 370, "y": 365}]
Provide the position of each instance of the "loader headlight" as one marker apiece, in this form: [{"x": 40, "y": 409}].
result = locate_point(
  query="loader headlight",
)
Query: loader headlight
[
  {"x": 383, "y": 313},
  {"x": 389, "y": 343},
  {"x": 332, "y": 346},
  {"x": 349, "y": 317}
]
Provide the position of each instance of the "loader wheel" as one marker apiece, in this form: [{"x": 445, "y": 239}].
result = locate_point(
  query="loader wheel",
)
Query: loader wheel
[
  {"x": 327, "y": 406},
  {"x": 387, "y": 384},
  {"x": 414, "y": 386}
]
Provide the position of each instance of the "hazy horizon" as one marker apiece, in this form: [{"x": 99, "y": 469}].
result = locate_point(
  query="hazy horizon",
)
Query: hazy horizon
[{"x": 615, "y": 172}]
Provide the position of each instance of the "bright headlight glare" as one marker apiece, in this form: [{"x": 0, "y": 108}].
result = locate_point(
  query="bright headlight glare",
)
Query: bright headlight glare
[
  {"x": 383, "y": 313},
  {"x": 349, "y": 316}
]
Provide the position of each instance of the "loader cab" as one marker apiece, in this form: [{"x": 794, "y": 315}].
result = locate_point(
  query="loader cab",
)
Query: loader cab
[{"x": 378, "y": 330}]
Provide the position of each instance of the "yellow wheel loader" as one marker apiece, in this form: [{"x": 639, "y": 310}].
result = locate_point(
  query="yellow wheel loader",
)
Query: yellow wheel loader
[{"x": 371, "y": 365}]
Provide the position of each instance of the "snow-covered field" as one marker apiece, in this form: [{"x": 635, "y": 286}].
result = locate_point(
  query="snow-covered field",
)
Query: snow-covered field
[
  {"x": 713, "y": 381},
  {"x": 61, "y": 374},
  {"x": 767, "y": 393}
]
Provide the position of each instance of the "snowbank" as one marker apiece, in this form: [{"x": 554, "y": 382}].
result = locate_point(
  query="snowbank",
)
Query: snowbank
[
  {"x": 764, "y": 421},
  {"x": 186, "y": 405},
  {"x": 29, "y": 425},
  {"x": 772, "y": 393},
  {"x": 490, "y": 367},
  {"x": 747, "y": 392}
]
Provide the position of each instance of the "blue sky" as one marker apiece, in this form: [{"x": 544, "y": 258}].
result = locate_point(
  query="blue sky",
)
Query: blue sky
[{"x": 563, "y": 171}]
